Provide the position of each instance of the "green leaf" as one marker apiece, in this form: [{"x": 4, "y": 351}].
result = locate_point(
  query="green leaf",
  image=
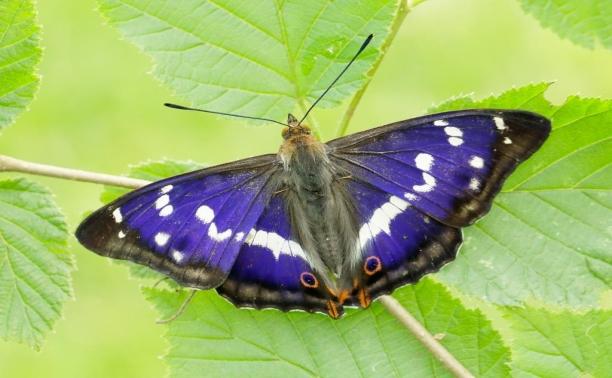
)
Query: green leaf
[
  {"x": 584, "y": 22},
  {"x": 564, "y": 344},
  {"x": 19, "y": 55},
  {"x": 152, "y": 171},
  {"x": 213, "y": 336},
  {"x": 547, "y": 235},
  {"x": 34, "y": 263},
  {"x": 260, "y": 58}
]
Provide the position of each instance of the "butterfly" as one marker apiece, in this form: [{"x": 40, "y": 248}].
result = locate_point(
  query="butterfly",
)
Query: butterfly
[{"x": 319, "y": 226}]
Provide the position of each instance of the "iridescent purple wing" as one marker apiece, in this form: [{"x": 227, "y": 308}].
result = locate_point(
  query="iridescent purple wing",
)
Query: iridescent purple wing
[
  {"x": 189, "y": 227},
  {"x": 272, "y": 270},
  {"x": 448, "y": 165},
  {"x": 416, "y": 182},
  {"x": 398, "y": 244}
]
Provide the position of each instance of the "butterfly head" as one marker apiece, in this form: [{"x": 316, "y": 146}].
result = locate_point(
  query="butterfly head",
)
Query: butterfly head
[{"x": 294, "y": 128}]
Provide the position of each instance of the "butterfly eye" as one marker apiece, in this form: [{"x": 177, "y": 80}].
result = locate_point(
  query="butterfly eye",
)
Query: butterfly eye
[
  {"x": 309, "y": 280},
  {"x": 285, "y": 132},
  {"x": 372, "y": 265}
]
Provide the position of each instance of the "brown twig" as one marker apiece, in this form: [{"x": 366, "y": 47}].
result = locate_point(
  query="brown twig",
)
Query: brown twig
[{"x": 426, "y": 338}]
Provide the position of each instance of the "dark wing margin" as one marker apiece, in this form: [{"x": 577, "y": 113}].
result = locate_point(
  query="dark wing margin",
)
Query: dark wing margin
[
  {"x": 189, "y": 227},
  {"x": 448, "y": 165}
]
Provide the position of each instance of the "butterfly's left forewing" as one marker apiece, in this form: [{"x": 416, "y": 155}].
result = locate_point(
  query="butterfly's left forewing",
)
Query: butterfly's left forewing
[
  {"x": 189, "y": 227},
  {"x": 447, "y": 165}
]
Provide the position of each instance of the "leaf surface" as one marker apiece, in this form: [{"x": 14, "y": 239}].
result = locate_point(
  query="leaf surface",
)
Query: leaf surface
[
  {"x": 19, "y": 54},
  {"x": 560, "y": 344},
  {"x": 34, "y": 263},
  {"x": 584, "y": 22},
  {"x": 213, "y": 336},
  {"x": 258, "y": 58}
]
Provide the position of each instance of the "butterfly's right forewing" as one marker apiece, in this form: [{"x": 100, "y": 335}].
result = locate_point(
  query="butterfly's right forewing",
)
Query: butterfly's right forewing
[{"x": 189, "y": 227}]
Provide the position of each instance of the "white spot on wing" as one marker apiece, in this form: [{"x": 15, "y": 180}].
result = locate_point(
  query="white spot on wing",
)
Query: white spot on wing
[
  {"x": 121, "y": 234},
  {"x": 381, "y": 220},
  {"x": 260, "y": 239},
  {"x": 166, "y": 210},
  {"x": 250, "y": 236},
  {"x": 205, "y": 214},
  {"x": 399, "y": 203},
  {"x": 409, "y": 196},
  {"x": 453, "y": 131},
  {"x": 440, "y": 122},
  {"x": 275, "y": 243},
  {"x": 430, "y": 183},
  {"x": 214, "y": 234},
  {"x": 166, "y": 189},
  {"x": 117, "y": 215},
  {"x": 177, "y": 256},
  {"x": 454, "y": 141},
  {"x": 474, "y": 183},
  {"x": 507, "y": 140},
  {"x": 239, "y": 236},
  {"x": 161, "y": 238},
  {"x": 477, "y": 162},
  {"x": 162, "y": 201},
  {"x": 499, "y": 123},
  {"x": 424, "y": 161}
]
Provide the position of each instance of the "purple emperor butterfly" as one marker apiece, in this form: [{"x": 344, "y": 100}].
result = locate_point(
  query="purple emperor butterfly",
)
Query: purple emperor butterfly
[{"x": 321, "y": 225}]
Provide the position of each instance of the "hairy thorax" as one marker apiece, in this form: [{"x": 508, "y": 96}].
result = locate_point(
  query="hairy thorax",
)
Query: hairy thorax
[{"x": 320, "y": 207}]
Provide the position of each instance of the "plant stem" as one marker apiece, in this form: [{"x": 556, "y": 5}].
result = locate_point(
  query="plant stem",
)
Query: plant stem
[
  {"x": 421, "y": 333},
  {"x": 9, "y": 164},
  {"x": 404, "y": 8}
]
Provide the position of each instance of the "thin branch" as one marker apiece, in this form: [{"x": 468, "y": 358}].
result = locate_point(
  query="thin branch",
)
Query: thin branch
[
  {"x": 9, "y": 164},
  {"x": 404, "y": 8},
  {"x": 421, "y": 333}
]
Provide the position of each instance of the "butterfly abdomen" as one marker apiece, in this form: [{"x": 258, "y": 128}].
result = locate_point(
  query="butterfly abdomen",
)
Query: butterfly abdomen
[{"x": 320, "y": 207}]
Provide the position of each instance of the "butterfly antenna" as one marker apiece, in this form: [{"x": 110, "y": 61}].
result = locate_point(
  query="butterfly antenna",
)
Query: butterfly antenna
[
  {"x": 181, "y": 309},
  {"x": 181, "y": 107},
  {"x": 363, "y": 46}
]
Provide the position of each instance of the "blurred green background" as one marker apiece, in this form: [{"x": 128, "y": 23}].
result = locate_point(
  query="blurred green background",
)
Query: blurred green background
[{"x": 98, "y": 109}]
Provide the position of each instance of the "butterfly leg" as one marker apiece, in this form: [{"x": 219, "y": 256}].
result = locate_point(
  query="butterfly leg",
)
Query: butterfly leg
[
  {"x": 280, "y": 191},
  {"x": 160, "y": 281},
  {"x": 334, "y": 309},
  {"x": 180, "y": 310}
]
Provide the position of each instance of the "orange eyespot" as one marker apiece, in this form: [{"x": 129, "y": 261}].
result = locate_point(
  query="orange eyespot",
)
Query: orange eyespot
[
  {"x": 372, "y": 265},
  {"x": 309, "y": 280}
]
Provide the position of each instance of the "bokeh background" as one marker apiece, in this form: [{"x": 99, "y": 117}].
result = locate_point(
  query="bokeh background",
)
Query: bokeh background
[{"x": 98, "y": 109}]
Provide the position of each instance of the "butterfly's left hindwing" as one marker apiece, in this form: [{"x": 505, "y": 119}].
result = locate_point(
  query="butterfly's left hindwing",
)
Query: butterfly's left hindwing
[
  {"x": 397, "y": 243},
  {"x": 189, "y": 227}
]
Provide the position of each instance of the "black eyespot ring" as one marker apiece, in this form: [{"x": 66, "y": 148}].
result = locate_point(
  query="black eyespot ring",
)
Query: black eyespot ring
[
  {"x": 372, "y": 265},
  {"x": 309, "y": 280}
]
